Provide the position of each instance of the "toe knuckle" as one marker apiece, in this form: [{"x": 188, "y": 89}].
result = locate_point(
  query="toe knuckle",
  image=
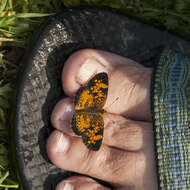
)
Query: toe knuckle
[
  {"x": 112, "y": 130},
  {"x": 109, "y": 161},
  {"x": 86, "y": 162}
]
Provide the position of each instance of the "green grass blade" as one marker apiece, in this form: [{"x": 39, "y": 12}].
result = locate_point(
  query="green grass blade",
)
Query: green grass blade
[
  {"x": 1, "y": 60},
  {"x": 3, "y": 121},
  {"x": 11, "y": 19},
  {"x": 10, "y": 4},
  {"x": 4, "y": 103},
  {"x": 11, "y": 182},
  {"x": 9, "y": 186},
  {"x": 32, "y": 15},
  {"x": 1, "y": 167},
  {"x": 5, "y": 90},
  {"x": 2, "y": 179},
  {"x": 3, "y": 5},
  {"x": 3, "y": 156}
]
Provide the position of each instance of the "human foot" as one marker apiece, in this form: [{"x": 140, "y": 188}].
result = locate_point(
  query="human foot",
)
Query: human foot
[{"x": 126, "y": 157}]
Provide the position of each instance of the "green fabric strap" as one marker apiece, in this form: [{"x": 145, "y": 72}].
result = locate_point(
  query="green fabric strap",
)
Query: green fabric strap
[{"x": 171, "y": 108}]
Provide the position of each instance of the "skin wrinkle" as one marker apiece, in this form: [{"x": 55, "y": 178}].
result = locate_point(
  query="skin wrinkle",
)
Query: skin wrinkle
[
  {"x": 135, "y": 85},
  {"x": 113, "y": 129},
  {"x": 110, "y": 161},
  {"x": 119, "y": 169},
  {"x": 146, "y": 95},
  {"x": 127, "y": 91},
  {"x": 131, "y": 92},
  {"x": 100, "y": 160},
  {"x": 112, "y": 132},
  {"x": 87, "y": 157}
]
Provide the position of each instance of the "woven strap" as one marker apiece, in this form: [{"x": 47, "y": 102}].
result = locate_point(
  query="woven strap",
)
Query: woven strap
[{"x": 171, "y": 103}]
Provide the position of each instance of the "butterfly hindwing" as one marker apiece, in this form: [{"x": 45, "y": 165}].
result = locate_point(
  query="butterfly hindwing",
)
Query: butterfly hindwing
[
  {"x": 80, "y": 122},
  {"x": 93, "y": 136},
  {"x": 90, "y": 126}
]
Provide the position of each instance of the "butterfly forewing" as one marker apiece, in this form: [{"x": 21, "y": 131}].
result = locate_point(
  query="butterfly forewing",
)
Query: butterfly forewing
[
  {"x": 99, "y": 88},
  {"x": 94, "y": 95},
  {"x": 83, "y": 99}
]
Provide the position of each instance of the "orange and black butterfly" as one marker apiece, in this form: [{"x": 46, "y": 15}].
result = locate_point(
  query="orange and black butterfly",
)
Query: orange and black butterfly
[{"x": 89, "y": 101}]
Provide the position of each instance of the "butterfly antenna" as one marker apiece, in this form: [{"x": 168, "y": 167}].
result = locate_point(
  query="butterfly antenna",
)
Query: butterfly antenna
[{"x": 113, "y": 102}]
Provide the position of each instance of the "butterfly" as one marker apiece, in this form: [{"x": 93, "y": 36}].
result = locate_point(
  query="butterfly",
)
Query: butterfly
[{"x": 87, "y": 121}]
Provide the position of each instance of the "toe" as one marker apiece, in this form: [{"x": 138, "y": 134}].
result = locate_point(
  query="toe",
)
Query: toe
[
  {"x": 126, "y": 134},
  {"x": 129, "y": 82},
  {"x": 62, "y": 114},
  {"x": 119, "y": 132},
  {"x": 80, "y": 183},
  {"x": 119, "y": 168},
  {"x": 69, "y": 153}
]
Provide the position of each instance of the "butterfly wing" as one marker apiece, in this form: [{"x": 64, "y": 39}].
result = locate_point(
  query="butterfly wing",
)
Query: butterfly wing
[
  {"x": 90, "y": 126},
  {"x": 81, "y": 122},
  {"x": 94, "y": 95}
]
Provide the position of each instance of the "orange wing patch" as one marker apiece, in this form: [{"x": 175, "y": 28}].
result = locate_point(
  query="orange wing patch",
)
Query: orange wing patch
[
  {"x": 80, "y": 122},
  {"x": 90, "y": 127},
  {"x": 89, "y": 101},
  {"x": 85, "y": 99},
  {"x": 98, "y": 89}
]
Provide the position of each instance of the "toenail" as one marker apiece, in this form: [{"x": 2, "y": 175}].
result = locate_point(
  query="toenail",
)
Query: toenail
[
  {"x": 89, "y": 68},
  {"x": 68, "y": 113},
  {"x": 68, "y": 186},
  {"x": 62, "y": 142}
]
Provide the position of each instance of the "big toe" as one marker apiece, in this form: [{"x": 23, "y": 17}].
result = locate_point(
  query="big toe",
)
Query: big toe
[{"x": 129, "y": 82}]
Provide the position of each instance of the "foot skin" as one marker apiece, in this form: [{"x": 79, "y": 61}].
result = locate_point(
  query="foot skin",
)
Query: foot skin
[{"x": 126, "y": 158}]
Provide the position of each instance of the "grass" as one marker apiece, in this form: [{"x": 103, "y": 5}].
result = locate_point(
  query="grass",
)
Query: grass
[{"x": 20, "y": 18}]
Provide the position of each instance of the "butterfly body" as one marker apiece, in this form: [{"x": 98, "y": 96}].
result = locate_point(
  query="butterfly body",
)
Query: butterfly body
[{"x": 89, "y": 101}]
